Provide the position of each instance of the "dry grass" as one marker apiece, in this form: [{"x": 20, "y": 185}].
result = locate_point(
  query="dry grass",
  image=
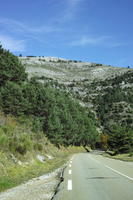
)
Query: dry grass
[{"x": 124, "y": 157}]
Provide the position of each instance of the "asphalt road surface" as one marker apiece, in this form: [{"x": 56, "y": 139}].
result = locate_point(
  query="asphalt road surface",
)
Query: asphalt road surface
[{"x": 94, "y": 177}]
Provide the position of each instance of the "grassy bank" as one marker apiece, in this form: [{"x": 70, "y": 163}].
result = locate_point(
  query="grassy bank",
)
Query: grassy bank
[
  {"x": 19, "y": 151},
  {"x": 124, "y": 157},
  {"x": 12, "y": 174}
]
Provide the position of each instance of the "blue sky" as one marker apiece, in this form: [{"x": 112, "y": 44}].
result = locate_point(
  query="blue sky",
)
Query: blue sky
[{"x": 89, "y": 30}]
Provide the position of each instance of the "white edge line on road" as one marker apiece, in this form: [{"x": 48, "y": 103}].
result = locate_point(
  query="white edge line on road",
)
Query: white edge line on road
[
  {"x": 70, "y": 165},
  {"x": 119, "y": 172},
  {"x": 71, "y": 161},
  {"x": 70, "y": 171},
  {"x": 112, "y": 169},
  {"x": 69, "y": 186}
]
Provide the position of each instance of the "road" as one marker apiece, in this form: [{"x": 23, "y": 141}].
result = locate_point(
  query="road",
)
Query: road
[{"x": 94, "y": 177}]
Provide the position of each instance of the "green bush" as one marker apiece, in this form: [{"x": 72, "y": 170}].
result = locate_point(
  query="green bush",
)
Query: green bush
[
  {"x": 38, "y": 147},
  {"x": 21, "y": 143},
  {"x": 121, "y": 140}
]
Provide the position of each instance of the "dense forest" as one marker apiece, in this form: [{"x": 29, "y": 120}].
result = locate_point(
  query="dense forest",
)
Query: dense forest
[
  {"x": 115, "y": 111},
  {"x": 52, "y": 111}
]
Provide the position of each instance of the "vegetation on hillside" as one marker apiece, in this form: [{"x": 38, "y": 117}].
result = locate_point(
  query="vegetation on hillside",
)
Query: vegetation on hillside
[
  {"x": 21, "y": 148},
  {"x": 61, "y": 119},
  {"x": 115, "y": 111},
  {"x": 112, "y": 102}
]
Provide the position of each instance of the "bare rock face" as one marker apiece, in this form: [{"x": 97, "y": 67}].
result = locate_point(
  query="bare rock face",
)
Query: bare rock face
[
  {"x": 40, "y": 158},
  {"x": 67, "y": 70}
]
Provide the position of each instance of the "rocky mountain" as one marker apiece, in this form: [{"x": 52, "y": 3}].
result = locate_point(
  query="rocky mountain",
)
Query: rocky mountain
[
  {"x": 65, "y": 71},
  {"x": 106, "y": 90}
]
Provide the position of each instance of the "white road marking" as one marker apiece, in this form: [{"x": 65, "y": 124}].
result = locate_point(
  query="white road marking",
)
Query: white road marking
[
  {"x": 71, "y": 161},
  {"x": 70, "y": 165},
  {"x": 112, "y": 169},
  {"x": 69, "y": 186},
  {"x": 70, "y": 171},
  {"x": 119, "y": 172},
  {"x": 72, "y": 158}
]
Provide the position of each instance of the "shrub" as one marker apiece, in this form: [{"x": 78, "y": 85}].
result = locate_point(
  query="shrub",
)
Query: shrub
[
  {"x": 38, "y": 146},
  {"x": 3, "y": 139}
]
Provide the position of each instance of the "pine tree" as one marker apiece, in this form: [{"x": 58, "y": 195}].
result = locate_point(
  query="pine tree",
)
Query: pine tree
[{"x": 10, "y": 68}]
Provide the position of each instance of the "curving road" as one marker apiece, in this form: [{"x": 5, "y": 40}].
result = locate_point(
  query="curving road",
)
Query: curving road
[{"x": 94, "y": 177}]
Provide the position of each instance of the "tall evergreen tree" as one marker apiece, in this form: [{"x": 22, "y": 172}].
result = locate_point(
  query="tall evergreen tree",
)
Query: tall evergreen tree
[{"x": 10, "y": 68}]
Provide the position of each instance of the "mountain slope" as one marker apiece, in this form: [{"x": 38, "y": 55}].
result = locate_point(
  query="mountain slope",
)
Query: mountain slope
[{"x": 107, "y": 91}]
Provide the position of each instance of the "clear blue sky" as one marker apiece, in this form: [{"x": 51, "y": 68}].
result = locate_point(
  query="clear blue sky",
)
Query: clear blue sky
[{"x": 88, "y": 30}]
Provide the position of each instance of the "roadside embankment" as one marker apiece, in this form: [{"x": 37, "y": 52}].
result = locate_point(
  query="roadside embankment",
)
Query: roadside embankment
[
  {"x": 123, "y": 157},
  {"x": 25, "y": 155},
  {"x": 42, "y": 187}
]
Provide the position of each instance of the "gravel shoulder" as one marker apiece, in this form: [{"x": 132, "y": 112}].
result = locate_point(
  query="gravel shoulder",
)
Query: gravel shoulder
[{"x": 40, "y": 188}]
